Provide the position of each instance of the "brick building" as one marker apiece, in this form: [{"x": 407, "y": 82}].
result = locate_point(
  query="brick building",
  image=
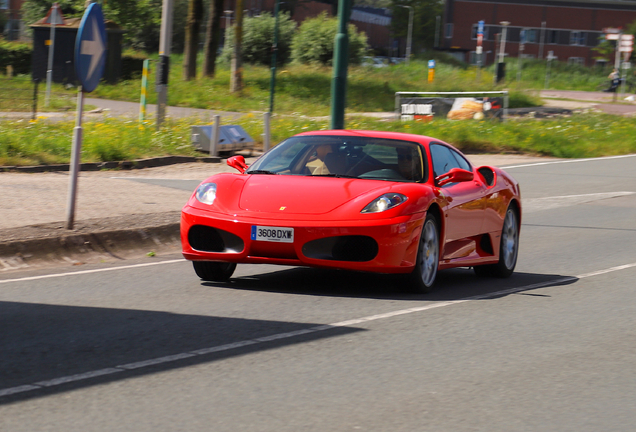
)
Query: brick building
[
  {"x": 10, "y": 11},
  {"x": 568, "y": 28},
  {"x": 374, "y": 22}
]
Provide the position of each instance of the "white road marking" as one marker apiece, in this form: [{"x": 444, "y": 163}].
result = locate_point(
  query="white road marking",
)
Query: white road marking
[
  {"x": 547, "y": 203},
  {"x": 172, "y": 358},
  {"x": 83, "y": 272},
  {"x": 567, "y": 161}
]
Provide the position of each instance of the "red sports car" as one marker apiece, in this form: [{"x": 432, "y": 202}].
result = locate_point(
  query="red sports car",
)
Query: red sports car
[{"x": 359, "y": 200}]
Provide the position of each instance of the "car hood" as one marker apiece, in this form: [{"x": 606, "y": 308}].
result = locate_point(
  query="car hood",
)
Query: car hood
[{"x": 285, "y": 194}]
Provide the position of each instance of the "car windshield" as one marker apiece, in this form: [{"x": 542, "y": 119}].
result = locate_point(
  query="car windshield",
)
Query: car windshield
[{"x": 348, "y": 157}]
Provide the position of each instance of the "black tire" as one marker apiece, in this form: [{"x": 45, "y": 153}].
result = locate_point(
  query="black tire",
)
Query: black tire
[
  {"x": 214, "y": 271},
  {"x": 424, "y": 274},
  {"x": 508, "y": 248}
]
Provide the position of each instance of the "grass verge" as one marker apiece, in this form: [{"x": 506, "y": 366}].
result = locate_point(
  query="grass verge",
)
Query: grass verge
[{"x": 113, "y": 139}]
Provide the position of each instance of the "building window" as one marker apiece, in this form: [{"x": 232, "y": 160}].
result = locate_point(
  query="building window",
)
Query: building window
[
  {"x": 448, "y": 31},
  {"x": 577, "y": 38},
  {"x": 531, "y": 36},
  {"x": 4, "y": 4},
  {"x": 552, "y": 36}
]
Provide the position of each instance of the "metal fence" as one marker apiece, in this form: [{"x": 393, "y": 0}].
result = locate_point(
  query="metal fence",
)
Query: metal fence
[{"x": 19, "y": 95}]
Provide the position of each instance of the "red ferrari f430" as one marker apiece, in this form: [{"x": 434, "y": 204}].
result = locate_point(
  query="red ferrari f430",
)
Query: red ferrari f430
[{"x": 359, "y": 200}]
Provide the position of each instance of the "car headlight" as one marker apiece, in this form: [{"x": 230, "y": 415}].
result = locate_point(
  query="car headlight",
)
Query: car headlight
[
  {"x": 384, "y": 202},
  {"x": 206, "y": 193}
]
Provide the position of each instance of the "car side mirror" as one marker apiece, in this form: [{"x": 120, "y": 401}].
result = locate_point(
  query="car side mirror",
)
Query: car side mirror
[
  {"x": 455, "y": 175},
  {"x": 238, "y": 163}
]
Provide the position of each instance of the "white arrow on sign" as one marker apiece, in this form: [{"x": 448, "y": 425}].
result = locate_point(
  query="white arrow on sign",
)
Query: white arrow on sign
[{"x": 93, "y": 48}]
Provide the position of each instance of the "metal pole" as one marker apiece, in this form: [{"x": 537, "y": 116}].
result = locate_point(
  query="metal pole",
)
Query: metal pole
[
  {"x": 437, "y": 23},
  {"x": 266, "y": 131},
  {"x": 542, "y": 39},
  {"x": 216, "y": 133},
  {"x": 36, "y": 82},
  {"x": 519, "y": 62},
  {"x": 547, "y": 70},
  {"x": 617, "y": 61},
  {"x": 409, "y": 33},
  {"x": 49, "y": 69},
  {"x": 502, "y": 45},
  {"x": 505, "y": 107},
  {"x": 272, "y": 81},
  {"x": 340, "y": 65},
  {"x": 75, "y": 162},
  {"x": 163, "y": 69}
]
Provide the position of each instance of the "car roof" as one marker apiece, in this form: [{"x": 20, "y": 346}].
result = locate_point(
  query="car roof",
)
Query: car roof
[{"x": 422, "y": 139}]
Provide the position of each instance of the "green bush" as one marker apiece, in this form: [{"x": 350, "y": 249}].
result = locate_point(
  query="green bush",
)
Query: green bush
[
  {"x": 258, "y": 37},
  {"x": 314, "y": 41},
  {"x": 16, "y": 54},
  {"x": 132, "y": 64}
]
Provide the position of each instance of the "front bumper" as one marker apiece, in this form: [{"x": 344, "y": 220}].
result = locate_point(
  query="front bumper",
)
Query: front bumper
[{"x": 375, "y": 245}]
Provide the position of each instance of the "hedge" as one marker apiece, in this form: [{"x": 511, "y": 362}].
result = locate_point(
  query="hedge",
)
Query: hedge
[{"x": 16, "y": 54}]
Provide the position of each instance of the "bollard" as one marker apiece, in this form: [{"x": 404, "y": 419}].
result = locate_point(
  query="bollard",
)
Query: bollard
[
  {"x": 215, "y": 135},
  {"x": 144, "y": 90}
]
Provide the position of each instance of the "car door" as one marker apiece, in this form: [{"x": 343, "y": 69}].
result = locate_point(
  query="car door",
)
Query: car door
[{"x": 464, "y": 211}]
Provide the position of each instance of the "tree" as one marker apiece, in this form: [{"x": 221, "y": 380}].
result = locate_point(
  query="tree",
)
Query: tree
[
  {"x": 193, "y": 25},
  {"x": 424, "y": 21},
  {"x": 258, "y": 37},
  {"x": 212, "y": 37},
  {"x": 314, "y": 41},
  {"x": 236, "y": 67}
]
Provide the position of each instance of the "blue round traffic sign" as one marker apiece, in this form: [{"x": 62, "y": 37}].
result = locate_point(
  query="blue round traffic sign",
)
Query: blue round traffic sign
[{"x": 90, "y": 48}]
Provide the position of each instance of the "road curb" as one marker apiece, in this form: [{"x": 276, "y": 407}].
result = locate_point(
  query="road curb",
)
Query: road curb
[{"x": 86, "y": 247}]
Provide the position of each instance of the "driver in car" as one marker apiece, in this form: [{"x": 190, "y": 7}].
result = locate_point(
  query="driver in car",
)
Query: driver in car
[
  {"x": 409, "y": 163},
  {"x": 317, "y": 166}
]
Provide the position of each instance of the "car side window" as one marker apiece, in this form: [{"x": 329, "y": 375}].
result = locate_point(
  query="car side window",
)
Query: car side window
[
  {"x": 461, "y": 160},
  {"x": 443, "y": 159}
]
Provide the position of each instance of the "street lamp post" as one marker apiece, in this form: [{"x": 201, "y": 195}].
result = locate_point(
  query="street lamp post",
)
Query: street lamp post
[{"x": 409, "y": 34}]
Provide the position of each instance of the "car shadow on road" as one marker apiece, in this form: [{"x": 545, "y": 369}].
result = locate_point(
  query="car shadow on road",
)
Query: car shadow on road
[
  {"x": 452, "y": 284},
  {"x": 48, "y": 349}
]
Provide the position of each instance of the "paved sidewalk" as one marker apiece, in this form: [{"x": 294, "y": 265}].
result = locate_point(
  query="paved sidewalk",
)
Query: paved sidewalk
[{"x": 119, "y": 213}]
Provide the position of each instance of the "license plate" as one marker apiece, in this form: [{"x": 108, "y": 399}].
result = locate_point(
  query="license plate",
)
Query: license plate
[{"x": 273, "y": 234}]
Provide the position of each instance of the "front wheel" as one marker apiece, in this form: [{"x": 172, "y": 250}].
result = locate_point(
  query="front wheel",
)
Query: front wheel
[
  {"x": 425, "y": 272},
  {"x": 508, "y": 249},
  {"x": 211, "y": 271}
]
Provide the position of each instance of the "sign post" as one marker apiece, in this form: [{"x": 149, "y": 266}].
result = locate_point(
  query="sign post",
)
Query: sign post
[
  {"x": 522, "y": 41},
  {"x": 54, "y": 17},
  {"x": 90, "y": 59},
  {"x": 479, "y": 50},
  {"x": 549, "y": 59},
  {"x": 625, "y": 46}
]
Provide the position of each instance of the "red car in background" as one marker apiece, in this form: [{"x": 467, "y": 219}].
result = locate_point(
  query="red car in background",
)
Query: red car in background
[{"x": 358, "y": 200}]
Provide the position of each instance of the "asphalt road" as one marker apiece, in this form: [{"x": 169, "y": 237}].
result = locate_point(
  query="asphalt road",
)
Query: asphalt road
[{"x": 146, "y": 346}]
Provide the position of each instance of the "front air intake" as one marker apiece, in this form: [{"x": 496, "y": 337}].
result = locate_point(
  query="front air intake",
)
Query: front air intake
[
  {"x": 208, "y": 239},
  {"x": 343, "y": 248}
]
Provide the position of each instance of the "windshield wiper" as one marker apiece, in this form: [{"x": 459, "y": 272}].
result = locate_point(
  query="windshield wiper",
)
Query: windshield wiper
[
  {"x": 334, "y": 175},
  {"x": 261, "y": 172}
]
